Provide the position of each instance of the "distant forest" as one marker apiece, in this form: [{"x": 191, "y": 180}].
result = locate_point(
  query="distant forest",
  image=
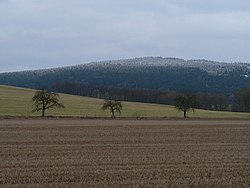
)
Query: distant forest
[{"x": 150, "y": 79}]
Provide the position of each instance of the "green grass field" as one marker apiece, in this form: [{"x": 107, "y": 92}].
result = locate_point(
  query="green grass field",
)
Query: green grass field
[{"x": 17, "y": 102}]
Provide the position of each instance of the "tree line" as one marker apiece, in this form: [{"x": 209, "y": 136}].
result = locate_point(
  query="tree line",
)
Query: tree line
[
  {"x": 44, "y": 100},
  {"x": 185, "y": 102},
  {"x": 151, "y": 74},
  {"x": 239, "y": 101}
]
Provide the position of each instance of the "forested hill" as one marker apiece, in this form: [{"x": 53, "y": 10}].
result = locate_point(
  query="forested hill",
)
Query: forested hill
[{"x": 149, "y": 72}]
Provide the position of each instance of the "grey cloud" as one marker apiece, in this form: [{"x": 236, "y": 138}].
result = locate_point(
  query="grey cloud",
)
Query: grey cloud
[{"x": 40, "y": 34}]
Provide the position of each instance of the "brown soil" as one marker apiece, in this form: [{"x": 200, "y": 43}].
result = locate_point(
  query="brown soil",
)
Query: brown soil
[{"x": 124, "y": 153}]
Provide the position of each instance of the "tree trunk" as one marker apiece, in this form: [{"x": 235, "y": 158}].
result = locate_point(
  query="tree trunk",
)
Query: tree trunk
[
  {"x": 43, "y": 112},
  {"x": 185, "y": 114},
  {"x": 112, "y": 113}
]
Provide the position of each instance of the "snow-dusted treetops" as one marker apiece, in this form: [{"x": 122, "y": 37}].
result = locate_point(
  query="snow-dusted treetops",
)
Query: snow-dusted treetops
[
  {"x": 212, "y": 67},
  {"x": 146, "y": 72}
]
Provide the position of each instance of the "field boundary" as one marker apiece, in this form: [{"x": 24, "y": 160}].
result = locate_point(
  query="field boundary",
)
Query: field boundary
[{"x": 117, "y": 118}]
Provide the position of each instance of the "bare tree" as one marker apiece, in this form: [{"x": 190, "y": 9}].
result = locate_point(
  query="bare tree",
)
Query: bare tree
[
  {"x": 113, "y": 106},
  {"x": 44, "y": 100},
  {"x": 185, "y": 102}
]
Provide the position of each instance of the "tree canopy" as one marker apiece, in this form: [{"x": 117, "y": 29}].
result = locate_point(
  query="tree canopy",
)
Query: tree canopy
[
  {"x": 185, "y": 102},
  {"x": 44, "y": 100},
  {"x": 243, "y": 99},
  {"x": 113, "y": 106}
]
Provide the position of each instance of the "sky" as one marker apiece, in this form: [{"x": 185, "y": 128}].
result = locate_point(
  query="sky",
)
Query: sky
[{"x": 38, "y": 34}]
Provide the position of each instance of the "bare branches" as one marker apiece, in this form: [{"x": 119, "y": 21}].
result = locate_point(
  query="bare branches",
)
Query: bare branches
[
  {"x": 185, "y": 102},
  {"x": 113, "y": 106},
  {"x": 44, "y": 100}
]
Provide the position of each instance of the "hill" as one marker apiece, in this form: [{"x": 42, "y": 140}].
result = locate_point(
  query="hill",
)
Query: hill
[
  {"x": 148, "y": 73},
  {"x": 17, "y": 102}
]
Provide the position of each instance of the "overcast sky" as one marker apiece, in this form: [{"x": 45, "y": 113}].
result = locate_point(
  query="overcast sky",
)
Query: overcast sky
[{"x": 50, "y": 33}]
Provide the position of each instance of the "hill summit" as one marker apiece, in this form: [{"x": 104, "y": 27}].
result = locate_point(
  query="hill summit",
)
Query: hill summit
[{"x": 146, "y": 72}]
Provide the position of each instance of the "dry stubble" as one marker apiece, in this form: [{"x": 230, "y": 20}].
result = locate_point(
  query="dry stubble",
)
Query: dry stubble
[{"x": 124, "y": 153}]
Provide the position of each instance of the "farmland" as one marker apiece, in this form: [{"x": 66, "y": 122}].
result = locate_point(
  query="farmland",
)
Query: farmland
[
  {"x": 124, "y": 153},
  {"x": 17, "y": 102}
]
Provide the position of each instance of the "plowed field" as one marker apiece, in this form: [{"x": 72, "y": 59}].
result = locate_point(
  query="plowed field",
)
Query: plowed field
[{"x": 124, "y": 153}]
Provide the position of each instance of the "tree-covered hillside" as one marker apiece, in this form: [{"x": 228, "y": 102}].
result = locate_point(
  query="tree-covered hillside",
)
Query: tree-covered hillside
[{"x": 149, "y": 72}]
